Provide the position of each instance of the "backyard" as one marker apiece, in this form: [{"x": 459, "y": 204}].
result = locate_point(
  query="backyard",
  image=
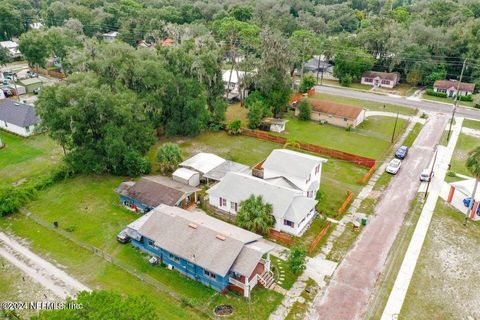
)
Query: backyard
[
  {"x": 25, "y": 157},
  {"x": 446, "y": 280},
  {"x": 89, "y": 210}
]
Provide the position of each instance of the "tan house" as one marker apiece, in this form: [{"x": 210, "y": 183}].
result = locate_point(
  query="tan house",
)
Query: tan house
[
  {"x": 336, "y": 114},
  {"x": 451, "y": 88},
  {"x": 381, "y": 79}
]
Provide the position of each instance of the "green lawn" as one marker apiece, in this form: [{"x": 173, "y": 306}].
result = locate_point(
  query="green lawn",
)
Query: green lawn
[
  {"x": 370, "y": 105},
  {"x": 413, "y": 134},
  {"x": 472, "y": 124},
  {"x": 450, "y": 100},
  {"x": 26, "y": 157},
  {"x": 299, "y": 310},
  {"x": 446, "y": 281},
  {"x": 280, "y": 269},
  {"x": 236, "y": 111},
  {"x": 76, "y": 201},
  {"x": 370, "y": 139},
  {"x": 342, "y": 244},
  {"x": 464, "y": 145}
]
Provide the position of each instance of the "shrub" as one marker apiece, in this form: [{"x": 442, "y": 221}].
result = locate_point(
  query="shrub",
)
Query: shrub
[
  {"x": 424, "y": 115},
  {"x": 477, "y": 105},
  {"x": 13, "y": 198},
  {"x": 468, "y": 98},
  {"x": 304, "y": 110},
  {"x": 349, "y": 128},
  {"x": 346, "y": 80},
  {"x": 255, "y": 114},
  {"x": 451, "y": 173},
  {"x": 234, "y": 127},
  {"x": 296, "y": 259},
  {"x": 431, "y": 92},
  {"x": 135, "y": 164},
  {"x": 307, "y": 83}
]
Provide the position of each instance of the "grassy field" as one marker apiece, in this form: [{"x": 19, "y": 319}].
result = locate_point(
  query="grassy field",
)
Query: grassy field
[
  {"x": 370, "y": 105},
  {"x": 370, "y": 139},
  {"x": 464, "y": 145},
  {"x": 25, "y": 157},
  {"x": 472, "y": 124},
  {"x": 394, "y": 260},
  {"x": 342, "y": 244},
  {"x": 450, "y": 100},
  {"x": 91, "y": 199},
  {"x": 446, "y": 281},
  {"x": 299, "y": 309},
  {"x": 236, "y": 111},
  {"x": 413, "y": 135}
]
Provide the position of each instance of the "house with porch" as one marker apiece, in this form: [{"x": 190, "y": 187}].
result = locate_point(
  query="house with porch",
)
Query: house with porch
[
  {"x": 452, "y": 88},
  {"x": 380, "y": 79},
  {"x": 152, "y": 191},
  {"x": 215, "y": 253}
]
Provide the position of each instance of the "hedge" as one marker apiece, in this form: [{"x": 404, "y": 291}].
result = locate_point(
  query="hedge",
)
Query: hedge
[
  {"x": 466, "y": 98},
  {"x": 431, "y": 92}
]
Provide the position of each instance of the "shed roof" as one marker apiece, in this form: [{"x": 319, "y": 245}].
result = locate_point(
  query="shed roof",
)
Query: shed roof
[
  {"x": 227, "y": 166},
  {"x": 184, "y": 173},
  {"x": 392, "y": 76},
  {"x": 203, "y": 162},
  {"x": 19, "y": 114},
  {"x": 450, "y": 84},
  {"x": 156, "y": 190},
  {"x": 203, "y": 240},
  {"x": 335, "y": 109}
]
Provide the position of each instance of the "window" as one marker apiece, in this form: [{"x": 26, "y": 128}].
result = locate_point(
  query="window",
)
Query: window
[
  {"x": 385, "y": 81},
  {"x": 308, "y": 178},
  {"x": 234, "y": 206},
  {"x": 309, "y": 194},
  {"x": 288, "y": 223},
  {"x": 368, "y": 80},
  {"x": 6, "y": 125},
  {"x": 173, "y": 257},
  {"x": 210, "y": 274},
  {"x": 223, "y": 202},
  {"x": 345, "y": 119},
  {"x": 151, "y": 243},
  {"x": 27, "y": 129}
]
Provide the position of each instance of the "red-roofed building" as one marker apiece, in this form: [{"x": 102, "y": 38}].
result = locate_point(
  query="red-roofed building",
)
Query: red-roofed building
[
  {"x": 451, "y": 87},
  {"x": 336, "y": 114}
]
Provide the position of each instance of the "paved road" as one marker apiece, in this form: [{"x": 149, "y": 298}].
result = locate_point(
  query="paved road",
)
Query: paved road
[
  {"x": 424, "y": 105},
  {"x": 350, "y": 289}
]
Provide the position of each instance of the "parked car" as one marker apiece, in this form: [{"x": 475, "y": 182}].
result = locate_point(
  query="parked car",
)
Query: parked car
[
  {"x": 466, "y": 203},
  {"x": 37, "y": 90},
  {"x": 394, "y": 166},
  {"x": 425, "y": 175},
  {"x": 123, "y": 236},
  {"x": 153, "y": 261},
  {"x": 32, "y": 74},
  {"x": 401, "y": 152}
]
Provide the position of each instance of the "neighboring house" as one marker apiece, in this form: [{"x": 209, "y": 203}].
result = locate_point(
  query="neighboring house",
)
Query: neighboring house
[
  {"x": 167, "y": 42},
  {"x": 151, "y": 191},
  {"x": 273, "y": 124},
  {"x": 36, "y": 25},
  {"x": 17, "y": 117},
  {"x": 381, "y": 79},
  {"x": 236, "y": 83},
  {"x": 110, "y": 36},
  {"x": 293, "y": 211},
  {"x": 316, "y": 64},
  {"x": 335, "y": 114},
  {"x": 451, "y": 87},
  {"x": 187, "y": 176},
  {"x": 203, "y": 248},
  {"x": 12, "y": 47},
  {"x": 212, "y": 167}
]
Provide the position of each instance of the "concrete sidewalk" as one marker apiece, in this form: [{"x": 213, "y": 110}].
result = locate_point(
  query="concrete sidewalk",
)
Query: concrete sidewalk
[
  {"x": 394, "y": 115},
  {"x": 399, "y": 291}
]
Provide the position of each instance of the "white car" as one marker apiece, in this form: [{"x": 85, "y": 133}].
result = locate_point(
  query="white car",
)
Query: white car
[
  {"x": 425, "y": 175},
  {"x": 394, "y": 166}
]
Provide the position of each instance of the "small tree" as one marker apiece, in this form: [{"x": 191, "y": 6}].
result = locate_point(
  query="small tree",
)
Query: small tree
[
  {"x": 414, "y": 77},
  {"x": 473, "y": 165},
  {"x": 307, "y": 83},
  {"x": 296, "y": 259},
  {"x": 234, "y": 127},
  {"x": 304, "y": 110},
  {"x": 255, "y": 215},
  {"x": 169, "y": 156},
  {"x": 136, "y": 164},
  {"x": 255, "y": 114}
]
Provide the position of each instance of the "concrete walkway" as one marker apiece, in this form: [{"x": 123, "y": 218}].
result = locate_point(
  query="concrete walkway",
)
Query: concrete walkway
[{"x": 399, "y": 291}]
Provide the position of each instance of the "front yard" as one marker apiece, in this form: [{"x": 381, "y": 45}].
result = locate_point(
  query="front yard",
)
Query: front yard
[
  {"x": 26, "y": 157},
  {"x": 451, "y": 100},
  {"x": 446, "y": 281},
  {"x": 465, "y": 144}
]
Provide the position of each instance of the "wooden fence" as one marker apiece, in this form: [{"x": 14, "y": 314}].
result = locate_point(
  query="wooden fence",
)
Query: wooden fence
[
  {"x": 318, "y": 238},
  {"x": 359, "y": 160},
  {"x": 345, "y": 203},
  {"x": 281, "y": 237},
  {"x": 368, "y": 175},
  {"x": 299, "y": 96},
  {"x": 51, "y": 73}
]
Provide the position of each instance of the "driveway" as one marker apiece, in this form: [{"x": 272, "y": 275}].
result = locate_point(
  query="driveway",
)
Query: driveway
[
  {"x": 423, "y": 105},
  {"x": 349, "y": 291}
]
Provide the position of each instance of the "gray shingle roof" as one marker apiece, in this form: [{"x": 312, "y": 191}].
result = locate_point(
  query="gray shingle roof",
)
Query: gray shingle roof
[
  {"x": 193, "y": 236},
  {"x": 19, "y": 114}
]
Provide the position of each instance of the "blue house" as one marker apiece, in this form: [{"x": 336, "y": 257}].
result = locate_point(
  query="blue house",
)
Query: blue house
[
  {"x": 151, "y": 191},
  {"x": 203, "y": 248}
]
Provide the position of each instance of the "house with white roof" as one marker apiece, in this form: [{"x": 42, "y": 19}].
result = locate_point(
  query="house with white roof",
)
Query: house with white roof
[
  {"x": 12, "y": 47},
  {"x": 110, "y": 36}
]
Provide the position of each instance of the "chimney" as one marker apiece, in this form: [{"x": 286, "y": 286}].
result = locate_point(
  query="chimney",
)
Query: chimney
[
  {"x": 220, "y": 237},
  {"x": 193, "y": 225}
]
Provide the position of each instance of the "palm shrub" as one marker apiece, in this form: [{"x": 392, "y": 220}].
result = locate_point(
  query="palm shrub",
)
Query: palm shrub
[
  {"x": 255, "y": 215},
  {"x": 169, "y": 155}
]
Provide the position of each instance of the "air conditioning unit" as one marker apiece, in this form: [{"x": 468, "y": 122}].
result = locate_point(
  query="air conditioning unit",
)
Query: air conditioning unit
[{"x": 170, "y": 267}]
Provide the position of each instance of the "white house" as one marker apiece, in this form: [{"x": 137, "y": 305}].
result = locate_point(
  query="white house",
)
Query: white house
[
  {"x": 236, "y": 83},
  {"x": 187, "y": 176},
  {"x": 12, "y": 47},
  {"x": 36, "y": 25},
  {"x": 381, "y": 79},
  {"x": 293, "y": 169},
  {"x": 451, "y": 87},
  {"x": 293, "y": 211},
  {"x": 17, "y": 117},
  {"x": 110, "y": 36}
]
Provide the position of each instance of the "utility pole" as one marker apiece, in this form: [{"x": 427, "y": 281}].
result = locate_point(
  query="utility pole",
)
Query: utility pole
[
  {"x": 431, "y": 171},
  {"x": 455, "y": 101},
  {"x": 318, "y": 67},
  {"x": 395, "y": 127}
]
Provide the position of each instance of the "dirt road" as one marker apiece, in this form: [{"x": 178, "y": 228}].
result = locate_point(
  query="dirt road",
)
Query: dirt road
[
  {"x": 38, "y": 269},
  {"x": 349, "y": 291}
]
